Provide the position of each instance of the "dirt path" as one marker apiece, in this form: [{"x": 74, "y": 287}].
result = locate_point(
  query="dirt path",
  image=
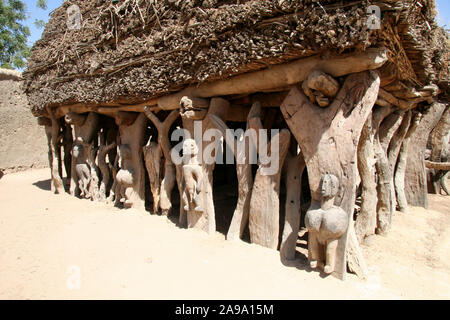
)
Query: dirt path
[{"x": 48, "y": 240}]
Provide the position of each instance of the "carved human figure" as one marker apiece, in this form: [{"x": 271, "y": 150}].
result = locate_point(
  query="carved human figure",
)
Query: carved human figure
[
  {"x": 325, "y": 226},
  {"x": 130, "y": 177},
  {"x": 125, "y": 176},
  {"x": 82, "y": 169},
  {"x": 320, "y": 88},
  {"x": 85, "y": 127},
  {"x": 192, "y": 177}
]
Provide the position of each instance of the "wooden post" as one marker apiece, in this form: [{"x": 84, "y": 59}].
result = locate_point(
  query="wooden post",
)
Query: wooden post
[
  {"x": 85, "y": 127},
  {"x": 415, "y": 178},
  {"x": 328, "y": 138},
  {"x": 168, "y": 181},
  {"x": 131, "y": 174},
  {"x": 295, "y": 164},
  {"x": 55, "y": 147}
]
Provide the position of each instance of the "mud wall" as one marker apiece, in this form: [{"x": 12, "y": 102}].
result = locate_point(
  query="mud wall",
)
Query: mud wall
[{"x": 23, "y": 143}]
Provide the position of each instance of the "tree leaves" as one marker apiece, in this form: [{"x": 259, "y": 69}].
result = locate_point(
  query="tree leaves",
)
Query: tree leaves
[
  {"x": 13, "y": 34},
  {"x": 42, "y": 4}
]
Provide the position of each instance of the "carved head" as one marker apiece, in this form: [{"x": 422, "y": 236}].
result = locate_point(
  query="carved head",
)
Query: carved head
[
  {"x": 75, "y": 118},
  {"x": 190, "y": 147},
  {"x": 329, "y": 186},
  {"x": 186, "y": 107},
  {"x": 77, "y": 151}
]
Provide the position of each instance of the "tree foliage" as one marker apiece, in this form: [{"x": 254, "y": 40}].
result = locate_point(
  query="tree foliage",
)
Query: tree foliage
[{"x": 14, "y": 34}]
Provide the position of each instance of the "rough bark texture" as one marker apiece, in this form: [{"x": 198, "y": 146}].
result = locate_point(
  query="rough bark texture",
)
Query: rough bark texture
[
  {"x": 189, "y": 113},
  {"x": 394, "y": 150},
  {"x": 437, "y": 165},
  {"x": 57, "y": 182},
  {"x": 415, "y": 177},
  {"x": 244, "y": 173},
  {"x": 389, "y": 130},
  {"x": 328, "y": 139},
  {"x": 104, "y": 168},
  {"x": 168, "y": 181},
  {"x": 152, "y": 158},
  {"x": 366, "y": 221},
  {"x": 399, "y": 177},
  {"x": 131, "y": 174},
  {"x": 280, "y": 76},
  {"x": 385, "y": 131},
  {"x": 444, "y": 183},
  {"x": 94, "y": 177},
  {"x": 265, "y": 203},
  {"x": 439, "y": 149},
  {"x": 295, "y": 164},
  {"x": 85, "y": 127}
]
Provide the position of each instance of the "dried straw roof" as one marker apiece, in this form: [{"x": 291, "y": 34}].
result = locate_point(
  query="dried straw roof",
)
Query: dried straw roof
[{"x": 133, "y": 50}]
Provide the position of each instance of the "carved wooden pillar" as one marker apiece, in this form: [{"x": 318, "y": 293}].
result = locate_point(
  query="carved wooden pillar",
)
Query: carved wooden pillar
[
  {"x": 243, "y": 170},
  {"x": 295, "y": 164},
  {"x": 168, "y": 181},
  {"x": 328, "y": 138},
  {"x": 264, "y": 212},
  {"x": 192, "y": 110},
  {"x": 55, "y": 147},
  {"x": 131, "y": 174},
  {"x": 85, "y": 128}
]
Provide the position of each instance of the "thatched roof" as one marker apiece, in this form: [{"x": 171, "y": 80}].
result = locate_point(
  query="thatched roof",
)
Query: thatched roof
[{"x": 133, "y": 50}]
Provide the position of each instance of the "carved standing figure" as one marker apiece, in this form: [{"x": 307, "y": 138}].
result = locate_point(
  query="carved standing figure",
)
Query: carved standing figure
[
  {"x": 82, "y": 169},
  {"x": 85, "y": 127},
  {"x": 192, "y": 109},
  {"x": 325, "y": 226},
  {"x": 328, "y": 138},
  {"x": 130, "y": 177},
  {"x": 192, "y": 178}
]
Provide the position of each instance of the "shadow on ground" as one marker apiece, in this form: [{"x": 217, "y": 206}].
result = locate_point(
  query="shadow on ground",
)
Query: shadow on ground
[{"x": 43, "y": 184}]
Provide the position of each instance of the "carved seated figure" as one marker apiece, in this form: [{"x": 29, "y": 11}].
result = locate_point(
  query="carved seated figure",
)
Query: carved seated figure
[
  {"x": 326, "y": 225},
  {"x": 189, "y": 111},
  {"x": 192, "y": 177},
  {"x": 82, "y": 169},
  {"x": 125, "y": 176},
  {"x": 320, "y": 88}
]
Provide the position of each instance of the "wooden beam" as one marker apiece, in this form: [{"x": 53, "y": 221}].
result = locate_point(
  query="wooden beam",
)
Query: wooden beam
[
  {"x": 280, "y": 76},
  {"x": 437, "y": 165}
]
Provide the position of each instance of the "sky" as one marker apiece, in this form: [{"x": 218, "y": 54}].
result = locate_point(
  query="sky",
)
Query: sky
[{"x": 34, "y": 13}]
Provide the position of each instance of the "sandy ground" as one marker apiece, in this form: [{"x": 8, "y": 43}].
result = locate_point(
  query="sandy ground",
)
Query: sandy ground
[{"x": 55, "y": 246}]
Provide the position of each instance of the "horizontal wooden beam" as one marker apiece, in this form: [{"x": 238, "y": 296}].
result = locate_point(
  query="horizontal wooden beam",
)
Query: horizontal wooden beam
[
  {"x": 437, "y": 165},
  {"x": 280, "y": 76}
]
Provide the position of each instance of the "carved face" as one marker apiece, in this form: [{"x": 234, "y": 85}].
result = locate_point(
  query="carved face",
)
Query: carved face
[
  {"x": 77, "y": 151},
  {"x": 186, "y": 107},
  {"x": 329, "y": 186},
  {"x": 190, "y": 147}
]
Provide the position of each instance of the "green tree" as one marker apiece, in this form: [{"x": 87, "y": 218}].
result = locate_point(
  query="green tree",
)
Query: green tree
[{"x": 13, "y": 34}]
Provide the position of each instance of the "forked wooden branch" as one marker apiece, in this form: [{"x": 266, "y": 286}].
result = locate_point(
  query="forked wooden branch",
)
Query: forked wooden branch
[{"x": 328, "y": 138}]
